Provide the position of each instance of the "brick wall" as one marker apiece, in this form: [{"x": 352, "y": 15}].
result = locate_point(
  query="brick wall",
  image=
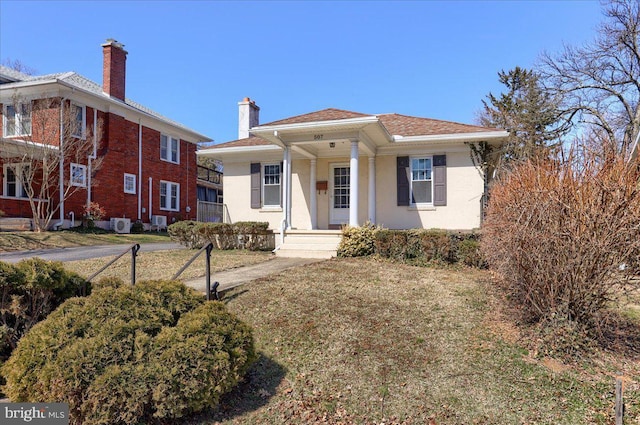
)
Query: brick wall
[{"x": 118, "y": 154}]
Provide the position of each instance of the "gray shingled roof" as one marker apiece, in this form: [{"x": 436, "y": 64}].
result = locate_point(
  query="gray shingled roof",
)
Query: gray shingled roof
[{"x": 82, "y": 83}]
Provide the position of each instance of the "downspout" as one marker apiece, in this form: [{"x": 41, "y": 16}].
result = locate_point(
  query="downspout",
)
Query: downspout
[
  {"x": 150, "y": 197},
  {"x": 92, "y": 156},
  {"x": 61, "y": 168},
  {"x": 140, "y": 170}
]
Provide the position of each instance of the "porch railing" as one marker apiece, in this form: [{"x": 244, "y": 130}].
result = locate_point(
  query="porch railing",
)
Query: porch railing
[{"x": 212, "y": 212}]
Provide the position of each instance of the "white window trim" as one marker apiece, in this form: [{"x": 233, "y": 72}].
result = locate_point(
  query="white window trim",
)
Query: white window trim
[
  {"x": 17, "y": 170},
  {"x": 262, "y": 185},
  {"x": 133, "y": 178},
  {"x": 73, "y": 166},
  {"x": 169, "y": 139},
  {"x": 168, "y": 196},
  {"x": 83, "y": 125},
  {"x": 18, "y": 124},
  {"x": 419, "y": 205}
]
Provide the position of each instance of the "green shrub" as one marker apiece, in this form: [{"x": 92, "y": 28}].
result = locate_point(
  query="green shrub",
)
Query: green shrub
[
  {"x": 186, "y": 233},
  {"x": 391, "y": 243},
  {"x": 358, "y": 241},
  {"x": 132, "y": 354},
  {"x": 29, "y": 291},
  {"x": 137, "y": 227},
  {"x": 469, "y": 253},
  {"x": 423, "y": 246}
]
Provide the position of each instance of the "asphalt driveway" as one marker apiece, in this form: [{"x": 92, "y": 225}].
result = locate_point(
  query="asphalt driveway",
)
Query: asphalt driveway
[{"x": 83, "y": 252}]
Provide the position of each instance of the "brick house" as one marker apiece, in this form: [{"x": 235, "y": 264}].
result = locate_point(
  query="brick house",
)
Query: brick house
[{"x": 148, "y": 162}]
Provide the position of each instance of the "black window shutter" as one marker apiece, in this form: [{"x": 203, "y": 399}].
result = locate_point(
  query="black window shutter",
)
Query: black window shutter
[
  {"x": 402, "y": 167},
  {"x": 439, "y": 180},
  {"x": 256, "y": 202}
]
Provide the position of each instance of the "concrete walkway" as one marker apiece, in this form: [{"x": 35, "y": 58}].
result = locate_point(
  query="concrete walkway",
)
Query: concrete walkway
[
  {"x": 83, "y": 252},
  {"x": 235, "y": 277}
]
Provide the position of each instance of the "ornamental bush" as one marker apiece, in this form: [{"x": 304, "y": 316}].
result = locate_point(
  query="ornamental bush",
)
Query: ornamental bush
[
  {"x": 358, "y": 241},
  {"x": 29, "y": 291},
  {"x": 565, "y": 236},
  {"x": 147, "y": 353}
]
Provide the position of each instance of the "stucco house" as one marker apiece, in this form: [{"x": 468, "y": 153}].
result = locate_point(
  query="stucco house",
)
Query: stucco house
[
  {"x": 309, "y": 174},
  {"x": 148, "y": 166}
]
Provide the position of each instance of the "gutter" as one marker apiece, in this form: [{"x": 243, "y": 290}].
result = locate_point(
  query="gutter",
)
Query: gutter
[{"x": 454, "y": 137}]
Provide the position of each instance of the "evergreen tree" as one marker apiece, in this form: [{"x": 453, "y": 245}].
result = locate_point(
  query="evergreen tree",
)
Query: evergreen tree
[{"x": 528, "y": 113}]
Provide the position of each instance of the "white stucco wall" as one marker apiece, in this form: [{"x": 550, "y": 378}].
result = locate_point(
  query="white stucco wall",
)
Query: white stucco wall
[
  {"x": 462, "y": 212},
  {"x": 464, "y": 192}
]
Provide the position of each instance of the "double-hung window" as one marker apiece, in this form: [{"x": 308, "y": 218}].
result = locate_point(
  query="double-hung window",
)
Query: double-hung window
[
  {"x": 17, "y": 120},
  {"x": 78, "y": 175},
  {"x": 169, "y": 196},
  {"x": 271, "y": 185},
  {"x": 130, "y": 183},
  {"x": 15, "y": 180},
  {"x": 78, "y": 120},
  {"x": 169, "y": 149},
  {"x": 421, "y": 181}
]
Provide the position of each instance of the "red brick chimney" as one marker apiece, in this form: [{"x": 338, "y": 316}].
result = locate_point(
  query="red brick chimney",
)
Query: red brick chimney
[{"x": 114, "y": 65}]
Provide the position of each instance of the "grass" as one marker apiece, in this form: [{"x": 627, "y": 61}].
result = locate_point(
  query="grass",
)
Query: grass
[
  {"x": 164, "y": 264},
  {"x": 20, "y": 241},
  {"x": 360, "y": 341}
]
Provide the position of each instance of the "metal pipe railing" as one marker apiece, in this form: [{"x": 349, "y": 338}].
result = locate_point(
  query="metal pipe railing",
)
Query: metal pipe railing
[
  {"x": 134, "y": 253},
  {"x": 207, "y": 248}
]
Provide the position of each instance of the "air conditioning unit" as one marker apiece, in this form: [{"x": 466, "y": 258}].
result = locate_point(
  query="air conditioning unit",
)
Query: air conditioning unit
[
  {"x": 159, "y": 221},
  {"x": 121, "y": 225}
]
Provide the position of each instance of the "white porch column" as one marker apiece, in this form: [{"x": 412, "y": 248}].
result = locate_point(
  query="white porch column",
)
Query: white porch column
[
  {"x": 372, "y": 189},
  {"x": 353, "y": 185},
  {"x": 288, "y": 193},
  {"x": 312, "y": 195},
  {"x": 285, "y": 189}
]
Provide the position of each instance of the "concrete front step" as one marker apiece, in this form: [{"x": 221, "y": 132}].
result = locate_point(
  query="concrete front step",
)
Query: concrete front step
[
  {"x": 309, "y": 244},
  {"x": 299, "y": 253}
]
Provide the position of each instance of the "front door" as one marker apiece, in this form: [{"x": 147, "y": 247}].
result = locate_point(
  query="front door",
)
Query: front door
[{"x": 339, "y": 199}]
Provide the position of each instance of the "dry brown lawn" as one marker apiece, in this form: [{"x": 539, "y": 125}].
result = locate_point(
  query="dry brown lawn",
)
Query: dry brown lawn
[
  {"x": 362, "y": 341},
  {"x": 164, "y": 264}
]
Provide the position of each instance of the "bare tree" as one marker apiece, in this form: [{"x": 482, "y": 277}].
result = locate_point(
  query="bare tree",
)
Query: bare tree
[
  {"x": 18, "y": 65},
  {"x": 49, "y": 138},
  {"x": 600, "y": 81}
]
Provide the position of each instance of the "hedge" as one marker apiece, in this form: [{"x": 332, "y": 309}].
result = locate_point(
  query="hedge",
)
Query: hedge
[
  {"x": 413, "y": 246},
  {"x": 249, "y": 235},
  {"x": 152, "y": 352}
]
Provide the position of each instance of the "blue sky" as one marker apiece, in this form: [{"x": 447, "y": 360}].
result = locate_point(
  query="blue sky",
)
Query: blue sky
[{"x": 192, "y": 61}]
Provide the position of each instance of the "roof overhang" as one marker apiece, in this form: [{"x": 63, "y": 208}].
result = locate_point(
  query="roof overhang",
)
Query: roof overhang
[
  {"x": 60, "y": 87},
  {"x": 481, "y": 136},
  {"x": 17, "y": 148}
]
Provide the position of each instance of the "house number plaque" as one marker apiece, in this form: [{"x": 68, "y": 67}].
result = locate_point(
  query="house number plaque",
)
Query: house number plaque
[{"x": 318, "y": 136}]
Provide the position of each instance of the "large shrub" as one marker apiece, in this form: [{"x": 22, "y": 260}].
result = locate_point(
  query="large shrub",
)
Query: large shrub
[
  {"x": 29, "y": 291},
  {"x": 564, "y": 235},
  {"x": 132, "y": 354}
]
